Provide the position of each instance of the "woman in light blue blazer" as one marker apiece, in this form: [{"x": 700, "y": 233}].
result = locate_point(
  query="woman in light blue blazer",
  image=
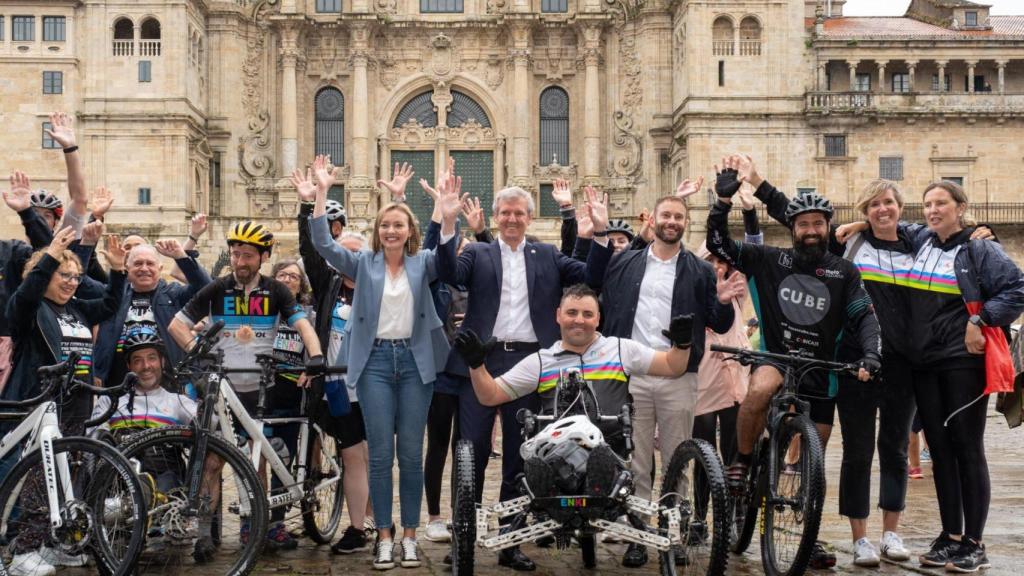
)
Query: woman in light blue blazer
[{"x": 394, "y": 346}]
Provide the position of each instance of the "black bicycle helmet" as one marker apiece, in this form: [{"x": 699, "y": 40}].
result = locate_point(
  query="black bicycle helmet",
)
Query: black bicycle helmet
[
  {"x": 140, "y": 338},
  {"x": 808, "y": 202},
  {"x": 336, "y": 212},
  {"x": 43, "y": 199},
  {"x": 621, "y": 226}
]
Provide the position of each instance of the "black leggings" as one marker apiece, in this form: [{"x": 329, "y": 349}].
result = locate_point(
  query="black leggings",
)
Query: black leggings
[
  {"x": 704, "y": 427},
  {"x": 958, "y": 449},
  {"x": 892, "y": 400},
  {"x": 442, "y": 419}
]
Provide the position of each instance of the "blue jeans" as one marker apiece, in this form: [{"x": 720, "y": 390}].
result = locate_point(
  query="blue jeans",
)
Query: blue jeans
[{"x": 394, "y": 400}]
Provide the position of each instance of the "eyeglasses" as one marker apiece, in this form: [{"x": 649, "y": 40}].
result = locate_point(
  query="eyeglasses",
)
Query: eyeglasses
[
  {"x": 288, "y": 276},
  {"x": 69, "y": 277}
]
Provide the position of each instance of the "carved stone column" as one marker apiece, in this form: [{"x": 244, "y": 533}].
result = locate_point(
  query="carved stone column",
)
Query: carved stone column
[
  {"x": 881, "y": 76},
  {"x": 911, "y": 66},
  {"x": 289, "y": 99},
  {"x": 520, "y": 57},
  {"x": 853, "y": 73},
  {"x": 970, "y": 75},
  {"x": 361, "y": 177},
  {"x": 941, "y": 65},
  {"x": 1001, "y": 67},
  {"x": 591, "y": 105},
  {"x": 822, "y": 76}
]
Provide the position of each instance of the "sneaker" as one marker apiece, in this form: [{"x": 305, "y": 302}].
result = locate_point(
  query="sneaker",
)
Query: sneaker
[
  {"x": 410, "y": 557},
  {"x": 821, "y": 557},
  {"x": 437, "y": 531},
  {"x": 926, "y": 456},
  {"x": 736, "y": 477},
  {"x": 278, "y": 538},
  {"x": 892, "y": 547},
  {"x": 384, "y": 557},
  {"x": 915, "y": 473},
  {"x": 864, "y": 554},
  {"x": 968, "y": 557},
  {"x": 30, "y": 564},
  {"x": 57, "y": 557},
  {"x": 635, "y": 556},
  {"x": 205, "y": 550},
  {"x": 351, "y": 541},
  {"x": 943, "y": 548}
]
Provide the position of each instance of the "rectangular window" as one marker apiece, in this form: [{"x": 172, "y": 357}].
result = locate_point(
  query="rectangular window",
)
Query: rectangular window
[
  {"x": 554, "y": 5},
  {"x": 901, "y": 83},
  {"x": 935, "y": 83},
  {"x": 145, "y": 71},
  {"x": 437, "y": 6},
  {"x": 971, "y": 18},
  {"x": 800, "y": 191},
  {"x": 958, "y": 180},
  {"x": 862, "y": 83},
  {"x": 721, "y": 72},
  {"x": 1, "y": 28},
  {"x": 329, "y": 6},
  {"x": 835, "y": 145},
  {"x": 53, "y": 82},
  {"x": 215, "y": 172},
  {"x": 890, "y": 168},
  {"x": 53, "y": 28},
  {"x": 23, "y": 28},
  {"x": 145, "y": 196},
  {"x": 48, "y": 143}
]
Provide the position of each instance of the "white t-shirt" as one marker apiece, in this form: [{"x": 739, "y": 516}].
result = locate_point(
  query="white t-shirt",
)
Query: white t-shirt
[{"x": 155, "y": 409}]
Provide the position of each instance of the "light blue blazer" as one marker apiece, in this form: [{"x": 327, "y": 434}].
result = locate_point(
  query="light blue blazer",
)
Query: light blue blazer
[{"x": 428, "y": 343}]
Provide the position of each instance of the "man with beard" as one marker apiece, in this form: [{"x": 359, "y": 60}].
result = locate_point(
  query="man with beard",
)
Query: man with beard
[
  {"x": 642, "y": 290},
  {"x": 807, "y": 298}
]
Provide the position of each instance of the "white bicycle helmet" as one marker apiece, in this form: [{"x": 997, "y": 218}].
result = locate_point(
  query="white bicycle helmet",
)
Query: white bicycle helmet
[{"x": 578, "y": 430}]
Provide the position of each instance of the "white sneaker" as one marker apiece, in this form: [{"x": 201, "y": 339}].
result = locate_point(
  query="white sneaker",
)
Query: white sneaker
[
  {"x": 864, "y": 553},
  {"x": 384, "y": 559},
  {"x": 410, "y": 557},
  {"x": 30, "y": 564},
  {"x": 57, "y": 557},
  {"x": 437, "y": 531},
  {"x": 893, "y": 548}
]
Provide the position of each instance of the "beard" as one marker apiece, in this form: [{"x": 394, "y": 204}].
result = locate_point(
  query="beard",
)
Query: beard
[
  {"x": 809, "y": 252},
  {"x": 661, "y": 231}
]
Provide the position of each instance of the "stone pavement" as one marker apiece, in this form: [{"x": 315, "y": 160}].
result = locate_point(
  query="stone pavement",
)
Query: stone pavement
[{"x": 1004, "y": 535}]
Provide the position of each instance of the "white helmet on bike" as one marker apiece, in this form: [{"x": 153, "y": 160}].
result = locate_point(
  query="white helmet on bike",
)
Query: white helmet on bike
[{"x": 578, "y": 430}]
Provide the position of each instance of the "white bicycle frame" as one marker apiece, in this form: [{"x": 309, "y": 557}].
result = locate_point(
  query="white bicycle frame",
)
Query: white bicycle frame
[
  {"x": 228, "y": 403},
  {"x": 41, "y": 428}
]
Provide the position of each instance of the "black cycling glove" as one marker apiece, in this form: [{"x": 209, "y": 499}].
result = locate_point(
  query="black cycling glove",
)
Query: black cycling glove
[
  {"x": 871, "y": 363},
  {"x": 727, "y": 183},
  {"x": 472, "y": 350},
  {"x": 680, "y": 331}
]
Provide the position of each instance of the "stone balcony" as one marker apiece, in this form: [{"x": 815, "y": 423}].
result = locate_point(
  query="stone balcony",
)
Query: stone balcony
[{"x": 914, "y": 103}]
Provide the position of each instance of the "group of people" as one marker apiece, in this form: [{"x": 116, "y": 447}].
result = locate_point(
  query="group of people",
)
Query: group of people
[{"x": 441, "y": 329}]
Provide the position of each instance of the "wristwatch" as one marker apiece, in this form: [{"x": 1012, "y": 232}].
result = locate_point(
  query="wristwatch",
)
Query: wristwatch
[
  {"x": 601, "y": 234},
  {"x": 976, "y": 320}
]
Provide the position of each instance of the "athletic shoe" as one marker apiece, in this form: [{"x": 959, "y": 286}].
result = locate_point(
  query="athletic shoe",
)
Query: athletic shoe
[
  {"x": 437, "y": 531},
  {"x": 57, "y": 557},
  {"x": 821, "y": 558},
  {"x": 384, "y": 557},
  {"x": 352, "y": 540},
  {"x": 369, "y": 525},
  {"x": 926, "y": 455},
  {"x": 943, "y": 548},
  {"x": 278, "y": 538},
  {"x": 410, "y": 557},
  {"x": 736, "y": 477},
  {"x": 892, "y": 547},
  {"x": 635, "y": 556},
  {"x": 968, "y": 557},
  {"x": 915, "y": 473},
  {"x": 864, "y": 553},
  {"x": 30, "y": 564}
]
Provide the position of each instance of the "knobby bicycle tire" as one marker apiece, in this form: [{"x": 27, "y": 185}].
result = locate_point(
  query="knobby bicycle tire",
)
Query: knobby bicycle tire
[
  {"x": 319, "y": 526},
  {"x": 464, "y": 510},
  {"x": 749, "y": 502}
]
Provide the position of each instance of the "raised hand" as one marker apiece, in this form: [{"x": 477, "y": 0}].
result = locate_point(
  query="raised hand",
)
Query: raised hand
[
  {"x": 450, "y": 198},
  {"x": 845, "y": 231},
  {"x": 61, "y": 241},
  {"x": 20, "y": 195},
  {"x": 730, "y": 288},
  {"x": 197, "y": 227},
  {"x": 170, "y": 248},
  {"x": 646, "y": 226},
  {"x": 429, "y": 190},
  {"x": 584, "y": 225},
  {"x": 474, "y": 214},
  {"x": 102, "y": 200},
  {"x": 471, "y": 348},
  {"x": 304, "y": 185},
  {"x": 116, "y": 254},
  {"x": 747, "y": 170},
  {"x": 399, "y": 180},
  {"x": 597, "y": 208},
  {"x": 689, "y": 187},
  {"x": 61, "y": 129},
  {"x": 680, "y": 331},
  {"x": 324, "y": 173},
  {"x": 727, "y": 181},
  {"x": 561, "y": 193},
  {"x": 91, "y": 233},
  {"x": 746, "y": 195}
]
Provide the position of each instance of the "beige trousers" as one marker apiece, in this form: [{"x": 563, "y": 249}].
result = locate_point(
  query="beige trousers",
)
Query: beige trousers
[{"x": 669, "y": 403}]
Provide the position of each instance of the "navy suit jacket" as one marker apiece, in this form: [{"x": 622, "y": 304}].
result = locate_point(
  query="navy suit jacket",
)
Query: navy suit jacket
[{"x": 548, "y": 271}]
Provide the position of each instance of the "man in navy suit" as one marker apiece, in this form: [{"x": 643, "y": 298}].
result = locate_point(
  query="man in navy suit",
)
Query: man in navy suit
[{"x": 514, "y": 288}]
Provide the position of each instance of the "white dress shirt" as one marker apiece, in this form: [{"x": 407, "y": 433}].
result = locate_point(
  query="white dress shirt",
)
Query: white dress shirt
[
  {"x": 654, "y": 307},
  {"x": 396, "y": 307},
  {"x": 513, "y": 323}
]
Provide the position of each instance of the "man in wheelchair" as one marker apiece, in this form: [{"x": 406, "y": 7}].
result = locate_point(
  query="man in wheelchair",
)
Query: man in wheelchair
[{"x": 576, "y": 468}]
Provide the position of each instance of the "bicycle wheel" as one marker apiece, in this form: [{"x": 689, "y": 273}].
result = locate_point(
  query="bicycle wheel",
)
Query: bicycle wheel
[
  {"x": 232, "y": 503},
  {"x": 704, "y": 526},
  {"x": 463, "y": 510},
  {"x": 321, "y": 509},
  {"x": 101, "y": 507},
  {"x": 791, "y": 521},
  {"x": 743, "y": 507}
]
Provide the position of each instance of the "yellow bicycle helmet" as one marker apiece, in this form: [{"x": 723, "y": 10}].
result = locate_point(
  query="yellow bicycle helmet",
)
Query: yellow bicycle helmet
[{"x": 252, "y": 234}]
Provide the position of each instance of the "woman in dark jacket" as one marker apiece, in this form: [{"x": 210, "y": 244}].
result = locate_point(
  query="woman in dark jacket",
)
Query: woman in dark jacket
[{"x": 48, "y": 323}]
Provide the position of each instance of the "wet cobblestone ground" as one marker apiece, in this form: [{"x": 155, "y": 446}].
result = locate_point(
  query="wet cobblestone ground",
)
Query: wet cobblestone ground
[{"x": 1004, "y": 535}]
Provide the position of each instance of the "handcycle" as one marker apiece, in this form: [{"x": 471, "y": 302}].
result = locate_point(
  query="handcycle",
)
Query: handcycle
[
  {"x": 789, "y": 495},
  {"x": 220, "y": 485},
  {"x": 68, "y": 495},
  {"x": 577, "y": 494}
]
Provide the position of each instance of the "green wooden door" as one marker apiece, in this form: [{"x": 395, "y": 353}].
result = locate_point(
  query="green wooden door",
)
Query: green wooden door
[
  {"x": 477, "y": 171},
  {"x": 423, "y": 164}
]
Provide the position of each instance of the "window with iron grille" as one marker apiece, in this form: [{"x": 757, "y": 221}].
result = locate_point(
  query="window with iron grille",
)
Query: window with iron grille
[
  {"x": 328, "y": 5},
  {"x": 23, "y": 28},
  {"x": 890, "y": 168},
  {"x": 554, "y": 127},
  {"x": 554, "y": 5},
  {"x": 971, "y": 18},
  {"x": 901, "y": 83},
  {"x": 145, "y": 71},
  {"x": 464, "y": 109},
  {"x": 330, "y": 124},
  {"x": 420, "y": 109},
  {"x": 48, "y": 143},
  {"x": 53, "y": 82},
  {"x": 935, "y": 83},
  {"x": 548, "y": 207},
  {"x": 437, "y": 6},
  {"x": 53, "y": 28},
  {"x": 835, "y": 145}
]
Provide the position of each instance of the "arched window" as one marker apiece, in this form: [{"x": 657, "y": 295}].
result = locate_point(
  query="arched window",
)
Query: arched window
[
  {"x": 150, "y": 29},
  {"x": 465, "y": 109},
  {"x": 421, "y": 109},
  {"x": 750, "y": 37},
  {"x": 554, "y": 127},
  {"x": 330, "y": 124},
  {"x": 124, "y": 37},
  {"x": 722, "y": 37}
]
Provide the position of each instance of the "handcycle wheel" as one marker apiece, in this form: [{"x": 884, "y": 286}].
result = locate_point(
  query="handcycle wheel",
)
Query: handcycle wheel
[
  {"x": 463, "y": 509},
  {"x": 743, "y": 507},
  {"x": 704, "y": 529},
  {"x": 588, "y": 545},
  {"x": 103, "y": 516},
  {"x": 791, "y": 526},
  {"x": 321, "y": 510},
  {"x": 239, "y": 516}
]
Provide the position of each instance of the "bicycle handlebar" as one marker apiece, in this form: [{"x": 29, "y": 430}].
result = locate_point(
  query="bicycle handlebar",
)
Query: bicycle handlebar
[
  {"x": 129, "y": 382},
  {"x": 746, "y": 357}
]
